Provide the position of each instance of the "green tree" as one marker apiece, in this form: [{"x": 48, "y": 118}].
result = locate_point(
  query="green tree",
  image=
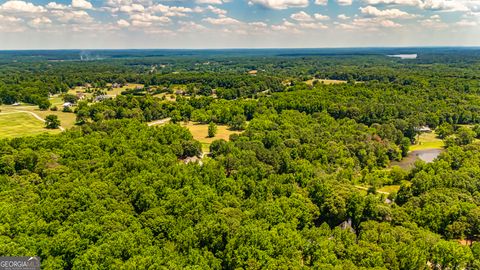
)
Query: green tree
[
  {"x": 444, "y": 130},
  {"x": 465, "y": 135},
  {"x": 43, "y": 104},
  {"x": 238, "y": 122},
  {"x": 212, "y": 130},
  {"x": 52, "y": 121}
]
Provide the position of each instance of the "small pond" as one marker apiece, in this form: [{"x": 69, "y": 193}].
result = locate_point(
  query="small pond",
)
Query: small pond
[
  {"x": 404, "y": 56},
  {"x": 428, "y": 155}
]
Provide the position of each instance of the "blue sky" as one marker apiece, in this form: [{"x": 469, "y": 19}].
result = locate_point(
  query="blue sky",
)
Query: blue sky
[{"x": 72, "y": 24}]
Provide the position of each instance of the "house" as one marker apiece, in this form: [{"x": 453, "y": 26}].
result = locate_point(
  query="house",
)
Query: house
[
  {"x": 347, "y": 225},
  {"x": 80, "y": 95},
  {"x": 101, "y": 98},
  {"x": 117, "y": 85},
  {"x": 423, "y": 129},
  {"x": 194, "y": 159},
  {"x": 179, "y": 92},
  {"x": 139, "y": 87},
  {"x": 253, "y": 72},
  {"x": 67, "y": 104},
  {"x": 16, "y": 104}
]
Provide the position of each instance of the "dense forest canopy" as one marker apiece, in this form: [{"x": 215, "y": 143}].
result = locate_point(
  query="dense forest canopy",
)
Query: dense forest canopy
[{"x": 285, "y": 192}]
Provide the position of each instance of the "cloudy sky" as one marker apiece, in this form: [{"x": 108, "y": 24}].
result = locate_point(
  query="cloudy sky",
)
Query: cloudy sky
[{"x": 71, "y": 24}]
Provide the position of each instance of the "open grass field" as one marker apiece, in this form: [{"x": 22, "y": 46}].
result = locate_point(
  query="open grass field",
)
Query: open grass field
[
  {"x": 427, "y": 141},
  {"x": 325, "y": 81},
  {"x": 200, "y": 133},
  {"x": 67, "y": 120},
  {"x": 118, "y": 91},
  {"x": 112, "y": 92},
  {"x": 18, "y": 124},
  {"x": 389, "y": 189}
]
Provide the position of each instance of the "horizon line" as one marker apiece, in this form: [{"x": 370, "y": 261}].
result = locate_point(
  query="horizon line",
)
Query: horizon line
[{"x": 250, "y": 48}]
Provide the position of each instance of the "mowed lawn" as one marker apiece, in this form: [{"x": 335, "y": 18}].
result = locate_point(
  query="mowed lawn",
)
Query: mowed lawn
[
  {"x": 200, "y": 133},
  {"x": 67, "y": 120},
  {"x": 427, "y": 141},
  {"x": 18, "y": 124}
]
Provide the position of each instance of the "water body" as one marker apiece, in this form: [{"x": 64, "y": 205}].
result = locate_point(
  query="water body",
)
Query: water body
[
  {"x": 428, "y": 155},
  {"x": 404, "y": 56}
]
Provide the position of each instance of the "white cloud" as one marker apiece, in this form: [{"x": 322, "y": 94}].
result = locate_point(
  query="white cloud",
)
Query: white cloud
[
  {"x": 320, "y": 17},
  {"x": 446, "y": 5},
  {"x": 10, "y": 24},
  {"x": 39, "y": 22},
  {"x": 433, "y": 22},
  {"x": 16, "y": 6},
  {"x": 321, "y": 2},
  {"x": 216, "y": 10},
  {"x": 148, "y": 18},
  {"x": 312, "y": 26},
  {"x": 209, "y": 2},
  {"x": 133, "y": 8},
  {"x": 280, "y": 4},
  {"x": 372, "y": 11},
  {"x": 82, "y": 4},
  {"x": 54, "y": 5},
  {"x": 191, "y": 27},
  {"x": 222, "y": 21},
  {"x": 368, "y": 24},
  {"x": 467, "y": 23},
  {"x": 301, "y": 17},
  {"x": 170, "y": 11},
  {"x": 123, "y": 23},
  {"x": 343, "y": 17},
  {"x": 344, "y": 2},
  {"x": 394, "y": 2},
  {"x": 72, "y": 16}
]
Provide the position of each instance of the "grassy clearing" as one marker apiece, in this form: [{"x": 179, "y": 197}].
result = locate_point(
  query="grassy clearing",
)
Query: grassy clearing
[
  {"x": 18, "y": 124},
  {"x": 109, "y": 92},
  {"x": 67, "y": 120},
  {"x": 325, "y": 81},
  {"x": 389, "y": 189},
  {"x": 427, "y": 141},
  {"x": 200, "y": 133},
  {"x": 118, "y": 91}
]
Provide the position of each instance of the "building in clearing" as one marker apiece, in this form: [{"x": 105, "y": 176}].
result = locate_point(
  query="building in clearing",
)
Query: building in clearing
[
  {"x": 80, "y": 95},
  {"x": 101, "y": 98},
  {"x": 423, "y": 129},
  {"x": 67, "y": 104},
  {"x": 179, "y": 92}
]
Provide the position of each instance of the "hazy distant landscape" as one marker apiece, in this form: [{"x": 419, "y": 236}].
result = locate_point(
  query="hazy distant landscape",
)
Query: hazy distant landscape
[{"x": 361, "y": 158}]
